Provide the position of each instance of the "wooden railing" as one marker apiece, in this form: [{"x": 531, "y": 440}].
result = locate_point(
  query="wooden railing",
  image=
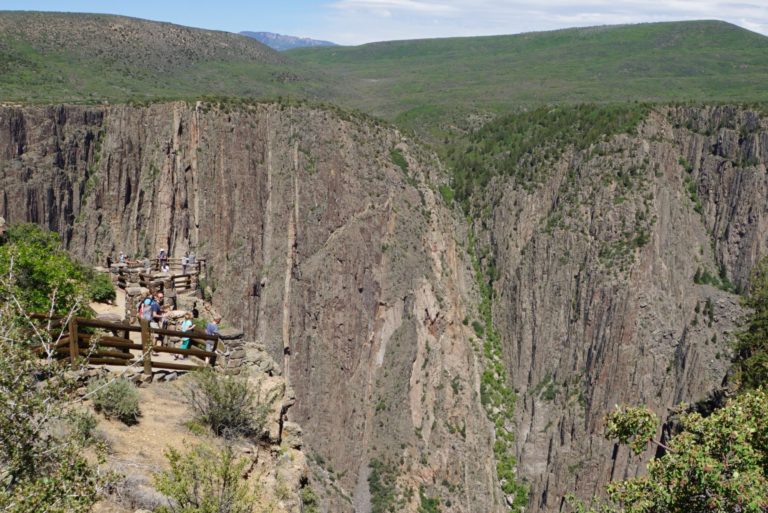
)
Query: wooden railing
[
  {"x": 180, "y": 281},
  {"x": 174, "y": 264},
  {"x": 70, "y": 341}
]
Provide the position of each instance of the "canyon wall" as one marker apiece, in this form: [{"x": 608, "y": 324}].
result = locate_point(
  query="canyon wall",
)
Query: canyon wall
[
  {"x": 324, "y": 242},
  {"x": 615, "y": 277},
  {"x": 616, "y": 281}
]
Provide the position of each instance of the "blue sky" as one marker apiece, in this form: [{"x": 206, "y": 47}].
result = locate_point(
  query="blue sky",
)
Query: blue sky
[{"x": 361, "y": 21}]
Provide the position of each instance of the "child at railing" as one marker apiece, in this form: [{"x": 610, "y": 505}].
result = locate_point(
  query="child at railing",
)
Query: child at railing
[{"x": 186, "y": 325}]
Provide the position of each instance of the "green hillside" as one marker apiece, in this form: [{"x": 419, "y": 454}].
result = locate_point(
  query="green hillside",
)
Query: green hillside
[
  {"x": 55, "y": 57},
  {"x": 701, "y": 61},
  {"x": 51, "y": 57}
]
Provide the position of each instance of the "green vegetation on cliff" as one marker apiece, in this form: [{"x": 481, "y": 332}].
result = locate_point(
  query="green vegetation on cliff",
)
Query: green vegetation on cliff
[
  {"x": 524, "y": 146},
  {"x": 751, "y": 358},
  {"x": 496, "y": 394}
]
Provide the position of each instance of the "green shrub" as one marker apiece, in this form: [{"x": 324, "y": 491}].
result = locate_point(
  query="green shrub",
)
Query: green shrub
[
  {"x": 309, "y": 502},
  {"x": 116, "y": 398},
  {"x": 715, "y": 463},
  {"x": 44, "y": 470},
  {"x": 41, "y": 270},
  {"x": 382, "y": 482},
  {"x": 100, "y": 288},
  {"x": 447, "y": 193},
  {"x": 427, "y": 504},
  {"x": 398, "y": 159},
  {"x": 479, "y": 329},
  {"x": 205, "y": 481},
  {"x": 227, "y": 404},
  {"x": 82, "y": 423}
]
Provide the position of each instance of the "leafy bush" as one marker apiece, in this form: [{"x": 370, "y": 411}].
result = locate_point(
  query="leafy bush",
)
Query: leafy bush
[
  {"x": 42, "y": 435},
  {"x": 205, "y": 481},
  {"x": 116, "y": 398},
  {"x": 43, "y": 469},
  {"x": 227, "y": 404},
  {"x": 82, "y": 424},
  {"x": 42, "y": 273},
  {"x": 716, "y": 463},
  {"x": 427, "y": 504},
  {"x": 309, "y": 502},
  {"x": 100, "y": 288}
]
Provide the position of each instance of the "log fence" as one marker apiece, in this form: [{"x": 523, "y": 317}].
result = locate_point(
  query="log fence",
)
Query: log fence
[{"x": 73, "y": 341}]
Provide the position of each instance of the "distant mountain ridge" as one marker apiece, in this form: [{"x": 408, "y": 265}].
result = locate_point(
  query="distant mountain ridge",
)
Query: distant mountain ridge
[
  {"x": 282, "y": 42},
  {"x": 54, "y": 57}
]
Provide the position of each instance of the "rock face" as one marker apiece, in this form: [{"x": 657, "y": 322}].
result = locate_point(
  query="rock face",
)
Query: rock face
[
  {"x": 597, "y": 301},
  {"x": 339, "y": 262},
  {"x": 327, "y": 246}
]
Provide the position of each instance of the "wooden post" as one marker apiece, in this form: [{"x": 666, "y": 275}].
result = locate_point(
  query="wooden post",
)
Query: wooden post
[
  {"x": 73, "y": 346},
  {"x": 212, "y": 359},
  {"x": 127, "y": 336},
  {"x": 146, "y": 346}
]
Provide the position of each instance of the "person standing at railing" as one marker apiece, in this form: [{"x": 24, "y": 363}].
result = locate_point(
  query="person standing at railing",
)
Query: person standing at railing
[
  {"x": 212, "y": 329},
  {"x": 186, "y": 325},
  {"x": 184, "y": 263},
  {"x": 157, "y": 317}
]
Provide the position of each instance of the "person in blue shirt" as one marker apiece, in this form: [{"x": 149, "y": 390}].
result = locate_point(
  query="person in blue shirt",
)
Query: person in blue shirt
[{"x": 212, "y": 328}]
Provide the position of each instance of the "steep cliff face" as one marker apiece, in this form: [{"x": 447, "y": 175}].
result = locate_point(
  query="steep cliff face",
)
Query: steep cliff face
[
  {"x": 611, "y": 278},
  {"x": 614, "y": 276},
  {"x": 324, "y": 243}
]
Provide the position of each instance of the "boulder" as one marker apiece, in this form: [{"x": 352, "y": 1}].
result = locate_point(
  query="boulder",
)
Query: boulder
[
  {"x": 109, "y": 317},
  {"x": 292, "y": 435},
  {"x": 230, "y": 334}
]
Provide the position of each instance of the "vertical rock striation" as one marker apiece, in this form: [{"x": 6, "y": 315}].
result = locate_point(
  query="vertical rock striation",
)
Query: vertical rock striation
[
  {"x": 611, "y": 278},
  {"x": 339, "y": 261}
]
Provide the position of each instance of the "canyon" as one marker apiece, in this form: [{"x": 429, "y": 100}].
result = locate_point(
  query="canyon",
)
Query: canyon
[{"x": 328, "y": 241}]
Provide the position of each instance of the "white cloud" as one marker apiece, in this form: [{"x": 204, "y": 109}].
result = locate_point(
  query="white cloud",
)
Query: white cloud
[
  {"x": 360, "y": 21},
  {"x": 414, "y": 6}
]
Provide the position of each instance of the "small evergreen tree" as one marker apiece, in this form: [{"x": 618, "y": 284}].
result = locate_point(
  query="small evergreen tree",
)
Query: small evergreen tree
[{"x": 751, "y": 357}]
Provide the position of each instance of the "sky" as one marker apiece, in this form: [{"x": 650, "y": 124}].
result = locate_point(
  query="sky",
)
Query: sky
[{"x": 352, "y": 22}]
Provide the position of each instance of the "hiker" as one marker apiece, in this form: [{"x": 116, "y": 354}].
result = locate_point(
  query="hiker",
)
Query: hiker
[
  {"x": 161, "y": 258},
  {"x": 151, "y": 311},
  {"x": 212, "y": 328},
  {"x": 109, "y": 261},
  {"x": 186, "y": 325},
  {"x": 121, "y": 259},
  {"x": 184, "y": 263},
  {"x": 195, "y": 311}
]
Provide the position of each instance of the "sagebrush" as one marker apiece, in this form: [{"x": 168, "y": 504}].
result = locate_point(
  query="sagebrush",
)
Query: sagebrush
[
  {"x": 229, "y": 405},
  {"x": 117, "y": 398}
]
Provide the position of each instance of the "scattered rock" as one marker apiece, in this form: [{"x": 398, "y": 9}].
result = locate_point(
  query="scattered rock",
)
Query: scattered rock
[{"x": 292, "y": 435}]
